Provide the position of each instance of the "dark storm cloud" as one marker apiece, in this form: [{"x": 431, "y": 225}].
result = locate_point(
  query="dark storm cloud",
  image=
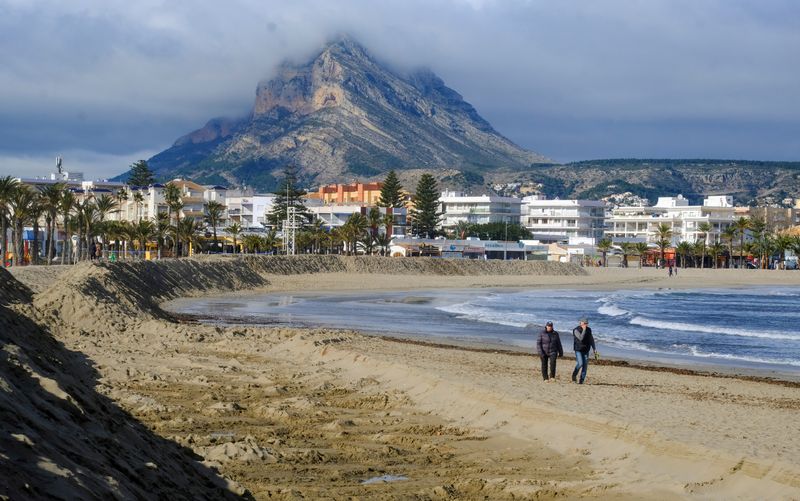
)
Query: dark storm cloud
[{"x": 110, "y": 80}]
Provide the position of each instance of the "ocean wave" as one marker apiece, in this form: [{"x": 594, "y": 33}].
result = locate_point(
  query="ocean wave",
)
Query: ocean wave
[
  {"x": 611, "y": 310},
  {"x": 710, "y": 329},
  {"x": 744, "y": 358},
  {"x": 469, "y": 311}
]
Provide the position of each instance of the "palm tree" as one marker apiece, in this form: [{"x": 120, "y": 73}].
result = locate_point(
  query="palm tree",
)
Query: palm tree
[
  {"x": 105, "y": 205},
  {"x": 8, "y": 185},
  {"x": 462, "y": 229},
  {"x": 715, "y": 250},
  {"x": 353, "y": 230},
  {"x": 663, "y": 238},
  {"x": 742, "y": 225},
  {"x": 627, "y": 248},
  {"x": 253, "y": 243},
  {"x": 703, "y": 229},
  {"x": 138, "y": 201},
  {"x": 271, "y": 241},
  {"x": 65, "y": 207},
  {"x": 213, "y": 216},
  {"x": 144, "y": 231},
  {"x": 51, "y": 200},
  {"x": 234, "y": 230},
  {"x": 367, "y": 243},
  {"x": 161, "y": 230},
  {"x": 729, "y": 235},
  {"x": 383, "y": 241},
  {"x": 641, "y": 249},
  {"x": 122, "y": 196},
  {"x": 188, "y": 231},
  {"x": 172, "y": 196},
  {"x": 20, "y": 202},
  {"x": 683, "y": 249},
  {"x": 37, "y": 209},
  {"x": 604, "y": 246},
  {"x": 783, "y": 242}
]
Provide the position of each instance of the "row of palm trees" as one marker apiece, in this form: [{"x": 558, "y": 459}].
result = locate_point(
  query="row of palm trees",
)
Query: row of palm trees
[
  {"x": 763, "y": 244},
  {"x": 361, "y": 233},
  {"x": 86, "y": 218}
]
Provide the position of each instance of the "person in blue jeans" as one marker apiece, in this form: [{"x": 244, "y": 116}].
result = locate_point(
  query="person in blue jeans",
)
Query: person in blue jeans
[{"x": 583, "y": 341}]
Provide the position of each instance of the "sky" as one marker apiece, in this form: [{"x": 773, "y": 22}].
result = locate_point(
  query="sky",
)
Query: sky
[{"x": 104, "y": 83}]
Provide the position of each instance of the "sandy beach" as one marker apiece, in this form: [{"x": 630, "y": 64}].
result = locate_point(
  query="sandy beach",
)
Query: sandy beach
[{"x": 279, "y": 413}]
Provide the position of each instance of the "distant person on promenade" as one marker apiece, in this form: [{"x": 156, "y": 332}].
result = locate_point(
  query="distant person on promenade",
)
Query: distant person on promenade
[
  {"x": 670, "y": 270},
  {"x": 549, "y": 347},
  {"x": 676, "y": 269},
  {"x": 583, "y": 341}
]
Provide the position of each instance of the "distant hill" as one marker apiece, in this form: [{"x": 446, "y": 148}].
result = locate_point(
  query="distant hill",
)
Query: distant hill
[
  {"x": 745, "y": 180},
  {"x": 344, "y": 115}
]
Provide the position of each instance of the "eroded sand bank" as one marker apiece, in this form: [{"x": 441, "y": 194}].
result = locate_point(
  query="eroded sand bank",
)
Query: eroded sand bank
[{"x": 289, "y": 413}]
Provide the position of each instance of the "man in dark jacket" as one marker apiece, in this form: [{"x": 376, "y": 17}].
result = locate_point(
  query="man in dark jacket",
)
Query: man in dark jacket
[
  {"x": 583, "y": 341},
  {"x": 549, "y": 347}
]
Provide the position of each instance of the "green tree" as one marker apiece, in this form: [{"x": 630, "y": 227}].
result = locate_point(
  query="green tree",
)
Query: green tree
[
  {"x": 499, "y": 231},
  {"x": 288, "y": 194},
  {"x": 234, "y": 230},
  {"x": 188, "y": 232},
  {"x": 391, "y": 192},
  {"x": 627, "y": 249},
  {"x": 172, "y": 197},
  {"x": 8, "y": 186},
  {"x": 425, "y": 216},
  {"x": 663, "y": 238},
  {"x": 51, "y": 200},
  {"x": 684, "y": 249},
  {"x": 161, "y": 230},
  {"x": 604, "y": 246},
  {"x": 742, "y": 225},
  {"x": 729, "y": 235},
  {"x": 641, "y": 249},
  {"x": 65, "y": 207},
  {"x": 140, "y": 174},
  {"x": 716, "y": 249},
  {"x": 353, "y": 231},
  {"x": 703, "y": 229},
  {"x": 20, "y": 202},
  {"x": 783, "y": 242},
  {"x": 214, "y": 212}
]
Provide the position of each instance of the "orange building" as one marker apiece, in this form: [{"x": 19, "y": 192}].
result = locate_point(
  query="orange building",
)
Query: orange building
[{"x": 354, "y": 193}]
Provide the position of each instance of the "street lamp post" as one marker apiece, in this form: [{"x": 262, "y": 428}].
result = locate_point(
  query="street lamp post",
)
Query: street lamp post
[{"x": 505, "y": 243}]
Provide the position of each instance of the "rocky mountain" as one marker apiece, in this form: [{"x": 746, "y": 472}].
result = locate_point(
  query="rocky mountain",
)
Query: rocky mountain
[
  {"x": 344, "y": 115},
  {"x": 747, "y": 181}
]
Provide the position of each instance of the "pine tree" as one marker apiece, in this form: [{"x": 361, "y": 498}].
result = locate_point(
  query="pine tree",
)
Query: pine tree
[
  {"x": 391, "y": 192},
  {"x": 140, "y": 174},
  {"x": 288, "y": 193},
  {"x": 425, "y": 215}
]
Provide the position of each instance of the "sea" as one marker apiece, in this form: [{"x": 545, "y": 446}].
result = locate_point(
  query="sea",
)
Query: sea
[{"x": 753, "y": 327}]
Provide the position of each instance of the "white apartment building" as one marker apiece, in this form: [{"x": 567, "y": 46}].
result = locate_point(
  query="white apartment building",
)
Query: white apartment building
[
  {"x": 457, "y": 207},
  {"x": 640, "y": 223},
  {"x": 145, "y": 202},
  {"x": 562, "y": 220},
  {"x": 336, "y": 215},
  {"x": 250, "y": 211}
]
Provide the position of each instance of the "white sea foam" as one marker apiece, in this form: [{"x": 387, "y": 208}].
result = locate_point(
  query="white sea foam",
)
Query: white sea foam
[
  {"x": 711, "y": 329},
  {"x": 612, "y": 310},
  {"x": 697, "y": 353},
  {"x": 469, "y": 311}
]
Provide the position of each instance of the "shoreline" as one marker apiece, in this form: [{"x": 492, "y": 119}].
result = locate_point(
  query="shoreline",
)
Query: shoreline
[{"x": 614, "y": 355}]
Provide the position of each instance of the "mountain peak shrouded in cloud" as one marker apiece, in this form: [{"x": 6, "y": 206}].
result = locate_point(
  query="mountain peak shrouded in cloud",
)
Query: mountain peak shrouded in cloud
[{"x": 343, "y": 114}]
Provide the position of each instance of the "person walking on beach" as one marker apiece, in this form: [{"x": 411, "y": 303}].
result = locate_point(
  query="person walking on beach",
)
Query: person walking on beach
[
  {"x": 549, "y": 347},
  {"x": 583, "y": 341},
  {"x": 670, "y": 270}
]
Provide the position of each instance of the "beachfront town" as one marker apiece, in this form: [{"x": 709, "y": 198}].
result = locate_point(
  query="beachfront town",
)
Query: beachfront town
[{"x": 113, "y": 220}]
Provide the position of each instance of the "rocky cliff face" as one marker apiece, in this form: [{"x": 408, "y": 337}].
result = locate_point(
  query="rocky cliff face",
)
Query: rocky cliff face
[{"x": 344, "y": 115}]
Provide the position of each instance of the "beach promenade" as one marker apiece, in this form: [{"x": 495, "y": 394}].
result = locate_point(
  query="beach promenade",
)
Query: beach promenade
[{"x": 286, "y": 413}]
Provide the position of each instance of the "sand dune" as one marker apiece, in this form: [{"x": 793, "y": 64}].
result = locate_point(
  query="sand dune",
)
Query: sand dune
[{"x": 290, "y": 413}]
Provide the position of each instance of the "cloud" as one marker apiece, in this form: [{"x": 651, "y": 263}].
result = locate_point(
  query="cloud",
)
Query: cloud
[{"x": 569, "y": 79}]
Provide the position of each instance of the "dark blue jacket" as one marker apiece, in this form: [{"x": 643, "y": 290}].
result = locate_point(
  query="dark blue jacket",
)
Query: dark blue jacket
[{"x": 549, "y": 343}]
